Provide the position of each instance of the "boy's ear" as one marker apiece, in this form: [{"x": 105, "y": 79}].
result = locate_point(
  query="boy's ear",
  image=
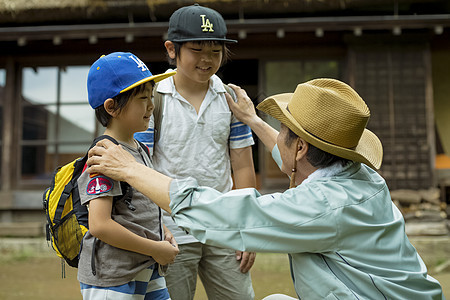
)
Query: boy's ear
[
  {"x": 109, "y": 106},
  {"x": 170, "y": 47}
]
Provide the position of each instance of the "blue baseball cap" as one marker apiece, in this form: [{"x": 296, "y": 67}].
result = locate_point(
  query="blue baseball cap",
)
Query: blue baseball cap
[{"x": 116, "y": 73}]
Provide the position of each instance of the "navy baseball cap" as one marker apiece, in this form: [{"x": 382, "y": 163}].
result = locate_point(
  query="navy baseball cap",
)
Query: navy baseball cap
[
  {"x": 116, "y": 73},
  {"x": 197, "y": 23}
]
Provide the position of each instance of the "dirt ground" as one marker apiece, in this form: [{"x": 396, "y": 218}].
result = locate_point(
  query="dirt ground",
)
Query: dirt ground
[{"x": 26, "y": 276}]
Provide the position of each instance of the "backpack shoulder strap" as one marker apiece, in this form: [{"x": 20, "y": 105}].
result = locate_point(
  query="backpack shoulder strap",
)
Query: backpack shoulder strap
[
  {"x": 230, "y": 91},
  {"x": 102, "y": 137},
  {"x": 159, "y": 108},
  {"x": 94, "y": 142},
  {"x": 157, "y": 112},
  {"x": 127, "y": 191},
  {"x": 143, "y": 146}
]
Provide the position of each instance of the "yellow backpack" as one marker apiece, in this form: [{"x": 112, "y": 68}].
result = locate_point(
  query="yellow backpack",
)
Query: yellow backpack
[{"x": 67, "y": 219}]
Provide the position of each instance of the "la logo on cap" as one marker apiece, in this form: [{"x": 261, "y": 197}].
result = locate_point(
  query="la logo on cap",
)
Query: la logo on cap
[
  {"x": 140, "y": 63},
  {"x": 206, "y": 24}
]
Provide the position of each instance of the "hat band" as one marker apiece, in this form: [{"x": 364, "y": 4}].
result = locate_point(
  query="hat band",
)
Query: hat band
[{"x": 322, "y": 140}]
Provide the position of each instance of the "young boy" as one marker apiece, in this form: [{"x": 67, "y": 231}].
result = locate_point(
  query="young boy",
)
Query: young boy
[
  {"x": 126, "y": 240},
  {"x": 199, "y": 137}
]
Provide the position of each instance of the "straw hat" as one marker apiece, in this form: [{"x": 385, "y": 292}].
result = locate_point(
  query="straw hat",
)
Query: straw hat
[{"x": 330, "y": 115}]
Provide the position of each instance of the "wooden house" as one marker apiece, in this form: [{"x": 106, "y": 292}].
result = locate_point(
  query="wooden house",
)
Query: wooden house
[{"x": 396, "y": 54}]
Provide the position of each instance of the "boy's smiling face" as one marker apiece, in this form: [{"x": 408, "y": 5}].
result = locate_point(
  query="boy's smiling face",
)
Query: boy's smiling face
[
  {"x": 199, "y": 61},
  {"x": 136, "y": 113}
]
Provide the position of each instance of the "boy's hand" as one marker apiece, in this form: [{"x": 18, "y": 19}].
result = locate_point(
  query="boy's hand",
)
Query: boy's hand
[
  {"x": 168, "y": 236},
  {"x": 243, "y": 108},
  {"x": 166, "y": 253},
  {"x": 247, "y": 260}
]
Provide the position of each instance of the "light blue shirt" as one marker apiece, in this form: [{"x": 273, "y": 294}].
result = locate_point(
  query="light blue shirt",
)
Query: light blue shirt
[{"x": 344, "y": 236}]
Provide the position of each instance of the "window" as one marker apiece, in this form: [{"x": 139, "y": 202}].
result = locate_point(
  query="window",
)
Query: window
[
  {"x": 58, "y": 124},
  {"x": 2, "y": 97},
  {"x": 2, "y": 78},
  {"x": 283, "y": 77}
]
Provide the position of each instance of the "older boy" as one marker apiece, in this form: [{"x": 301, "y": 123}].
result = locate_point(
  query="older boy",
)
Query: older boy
[{"x": 200, "y": 137}]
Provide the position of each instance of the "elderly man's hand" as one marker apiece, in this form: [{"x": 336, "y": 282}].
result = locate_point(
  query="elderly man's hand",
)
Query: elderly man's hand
[
  {"x": 110, "y": 160},
  {"x": 243, "y": 108},
  {"x": 247, "y": 260}
]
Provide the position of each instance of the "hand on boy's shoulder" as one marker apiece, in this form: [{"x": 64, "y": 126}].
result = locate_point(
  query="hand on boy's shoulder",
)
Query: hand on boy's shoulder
[
  {"x": 242, "y": 108},
  {"x": 230, "y": 91}
]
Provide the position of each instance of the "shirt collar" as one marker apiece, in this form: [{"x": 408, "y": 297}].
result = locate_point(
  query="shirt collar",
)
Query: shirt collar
[
  {"x": 216, "y": 84},
  {"x": 167, "y": 86},
  {"x": 329, "y": 171}
]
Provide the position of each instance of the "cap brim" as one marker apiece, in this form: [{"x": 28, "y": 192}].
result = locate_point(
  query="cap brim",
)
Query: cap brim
[
  {"x": 369, "y": 149},
  {"x": 202, "y": 39},
  {"x": 155, "y": 78}
]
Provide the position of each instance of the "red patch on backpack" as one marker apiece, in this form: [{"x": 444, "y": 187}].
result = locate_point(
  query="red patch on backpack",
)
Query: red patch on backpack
[{"x": 99, "y": 185}]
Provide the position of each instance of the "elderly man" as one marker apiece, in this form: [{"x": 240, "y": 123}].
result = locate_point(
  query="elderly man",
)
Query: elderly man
[{"x": 344, "y": 236}]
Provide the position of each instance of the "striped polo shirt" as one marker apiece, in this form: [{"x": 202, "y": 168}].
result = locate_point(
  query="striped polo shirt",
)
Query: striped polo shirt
[{"x": 195, "y": 144}]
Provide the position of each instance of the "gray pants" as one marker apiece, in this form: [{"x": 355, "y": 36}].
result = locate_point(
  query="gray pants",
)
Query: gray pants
[{"x": 217, "y": 268}]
